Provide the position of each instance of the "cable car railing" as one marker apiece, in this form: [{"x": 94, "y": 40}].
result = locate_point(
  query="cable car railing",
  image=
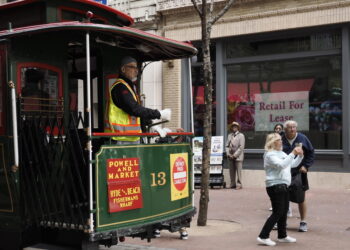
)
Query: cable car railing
[
  {"x": 54, "y": 171},
  {"x": 54, "y": 163}
]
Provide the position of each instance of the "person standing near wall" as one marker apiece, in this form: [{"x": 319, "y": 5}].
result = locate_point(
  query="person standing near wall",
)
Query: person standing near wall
[
  {"x": 235, "y": 154},
  {"x": 300, "y": 184},
  {"x": 278, "y": 129}
]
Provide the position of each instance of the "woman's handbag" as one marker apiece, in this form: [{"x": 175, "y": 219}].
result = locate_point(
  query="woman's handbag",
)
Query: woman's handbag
[{"x": 296, "y": 191}]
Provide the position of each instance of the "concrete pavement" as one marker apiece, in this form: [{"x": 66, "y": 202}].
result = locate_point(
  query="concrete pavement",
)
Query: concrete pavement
[{"x": 236, "y": 217}]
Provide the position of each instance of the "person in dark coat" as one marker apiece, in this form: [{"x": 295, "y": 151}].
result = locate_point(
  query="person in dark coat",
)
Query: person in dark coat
[{"x": 290, "y": 139}]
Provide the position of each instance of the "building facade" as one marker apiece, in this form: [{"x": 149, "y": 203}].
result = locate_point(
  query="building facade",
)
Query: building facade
[{"x": 273, "y": 61}]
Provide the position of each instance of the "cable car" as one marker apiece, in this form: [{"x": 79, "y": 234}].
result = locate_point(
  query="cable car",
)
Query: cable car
[{"x": 61, "y": 179}]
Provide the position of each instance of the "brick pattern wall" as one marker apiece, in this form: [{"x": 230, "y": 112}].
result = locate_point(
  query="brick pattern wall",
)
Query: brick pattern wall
[{"x": 172, "y": 91}]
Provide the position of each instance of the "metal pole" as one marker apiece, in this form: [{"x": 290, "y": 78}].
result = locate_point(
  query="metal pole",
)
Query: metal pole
[
  {"x": 191, "y": 94},
  {"x": 14, "y": 123},
  {"x": 89, "y": 128},
  {"x": 192, "y": 119}
]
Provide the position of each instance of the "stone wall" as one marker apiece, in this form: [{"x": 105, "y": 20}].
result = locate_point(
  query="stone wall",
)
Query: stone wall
[
  {"x": 258, "y": 16},
  {"x": 172, "y": 91}
]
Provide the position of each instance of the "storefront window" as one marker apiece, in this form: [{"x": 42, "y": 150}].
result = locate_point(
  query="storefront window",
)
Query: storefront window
[
  {"x": 199, "y": 101},
  {"x": 198, "y": 90},
  {"x": 309, "y": 90},
  {"x": 314, "y": 42}
]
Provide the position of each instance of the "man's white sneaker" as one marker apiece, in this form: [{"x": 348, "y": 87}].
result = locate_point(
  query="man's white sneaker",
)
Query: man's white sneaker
[
  {"x": 267, "y": 242},
  {"x": 184, "y": 235},
  {"x": 287, "y": 240},
  {"x": 303, "y": 227},
  {"x": 156, "y": 233}
]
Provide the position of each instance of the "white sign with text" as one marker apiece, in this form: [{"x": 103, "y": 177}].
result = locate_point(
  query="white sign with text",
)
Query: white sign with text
[{"x": 273, "y": 108}]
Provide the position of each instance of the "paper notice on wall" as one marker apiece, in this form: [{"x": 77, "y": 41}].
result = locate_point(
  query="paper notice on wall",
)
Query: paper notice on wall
[{"x": 273, "y": 108}]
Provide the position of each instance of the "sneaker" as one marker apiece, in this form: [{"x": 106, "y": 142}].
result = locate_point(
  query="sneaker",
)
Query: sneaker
[
  {"x": 303, "y": 227},
  {"x": 289, "y": 213},
  {"x": 275, "y": 227},
  {"x": 287, "y": 240},
  {"x": 184, "y": 235},
  {"x": 267, "y": 242},
  {"x": 156, "y": 233}
]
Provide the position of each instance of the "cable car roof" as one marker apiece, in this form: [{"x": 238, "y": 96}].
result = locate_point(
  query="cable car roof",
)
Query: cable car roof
[
  {"x": 16, "y": 9},
  {"x": 149, "y": 47}
]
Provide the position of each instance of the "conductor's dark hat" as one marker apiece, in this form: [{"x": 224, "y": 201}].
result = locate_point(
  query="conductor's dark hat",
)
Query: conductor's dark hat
[{"x": 126, "y": 60}]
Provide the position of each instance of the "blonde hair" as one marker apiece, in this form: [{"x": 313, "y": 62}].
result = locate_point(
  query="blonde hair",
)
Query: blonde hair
[{"x": 270, "y": 141}]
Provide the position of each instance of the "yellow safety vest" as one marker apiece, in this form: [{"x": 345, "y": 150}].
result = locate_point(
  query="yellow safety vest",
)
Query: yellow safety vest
[{"x": 118, "y": 121}]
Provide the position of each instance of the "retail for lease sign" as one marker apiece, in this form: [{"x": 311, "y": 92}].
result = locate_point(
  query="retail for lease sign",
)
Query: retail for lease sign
[
  {"x": 273, "y": 108},
  {"x": 124, "y": 185},
  {"x": 179, "y": 176}
]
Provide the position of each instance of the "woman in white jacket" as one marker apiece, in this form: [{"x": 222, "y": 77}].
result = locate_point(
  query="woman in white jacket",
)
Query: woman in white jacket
[{"x": 277, "y": 165}]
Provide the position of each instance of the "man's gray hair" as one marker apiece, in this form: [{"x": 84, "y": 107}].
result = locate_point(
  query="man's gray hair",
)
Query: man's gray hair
[{"x": 290, "y": 122}]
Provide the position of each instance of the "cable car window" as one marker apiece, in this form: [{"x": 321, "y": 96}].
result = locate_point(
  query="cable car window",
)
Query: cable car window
[
  {"x": 76, "y": 100},
  {"x": 2, "y": 91},
  {"x": 95, "y": 102},
  {"x": 40, "y": 91}
]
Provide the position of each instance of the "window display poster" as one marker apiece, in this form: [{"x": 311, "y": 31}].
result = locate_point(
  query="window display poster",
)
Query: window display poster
[
  {"x": 273, "y": 108},
  {"x": 216, "y": 153}
]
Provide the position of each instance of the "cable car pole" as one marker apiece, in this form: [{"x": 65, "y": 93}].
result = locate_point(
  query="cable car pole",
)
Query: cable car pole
[
  {"x": 14, "y": 123},
  {"x": 89, "y": 128},
  {"x": 14, "y": 117},
  {"x": 191, "y": 114}
]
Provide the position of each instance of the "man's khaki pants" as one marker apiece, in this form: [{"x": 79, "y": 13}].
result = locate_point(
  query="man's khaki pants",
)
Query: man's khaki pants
[{"x": 235, "y": 168}]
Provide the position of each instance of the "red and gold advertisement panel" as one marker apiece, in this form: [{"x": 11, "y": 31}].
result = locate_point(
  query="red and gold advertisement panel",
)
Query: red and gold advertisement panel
[
  {"x": 124, "y": 184},
  {"x": 179, "y": 176}
]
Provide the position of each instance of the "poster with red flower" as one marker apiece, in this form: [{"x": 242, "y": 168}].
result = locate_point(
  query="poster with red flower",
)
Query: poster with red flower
[{"x": 244, "y": 115}]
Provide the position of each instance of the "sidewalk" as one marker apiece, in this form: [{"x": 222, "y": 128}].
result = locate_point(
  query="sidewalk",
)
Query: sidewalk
[{"x": 236, "y": 216}]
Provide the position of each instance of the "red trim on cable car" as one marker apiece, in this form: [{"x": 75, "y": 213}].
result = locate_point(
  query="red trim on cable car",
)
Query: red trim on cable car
[
  {"x": 87, "y": 2},
  {"x": 59, "y": 14},
  {"x": 93, "y": 26},
  {"x": 110, "y": 9},
  {"x": 139, "y": 134}
]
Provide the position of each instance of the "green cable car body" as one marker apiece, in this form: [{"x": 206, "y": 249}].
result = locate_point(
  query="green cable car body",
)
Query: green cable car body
[{"x": 61, "y": 179}]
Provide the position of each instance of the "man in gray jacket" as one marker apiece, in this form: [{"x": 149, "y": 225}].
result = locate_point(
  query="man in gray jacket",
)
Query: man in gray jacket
[{"x": 235, "y": 154}]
